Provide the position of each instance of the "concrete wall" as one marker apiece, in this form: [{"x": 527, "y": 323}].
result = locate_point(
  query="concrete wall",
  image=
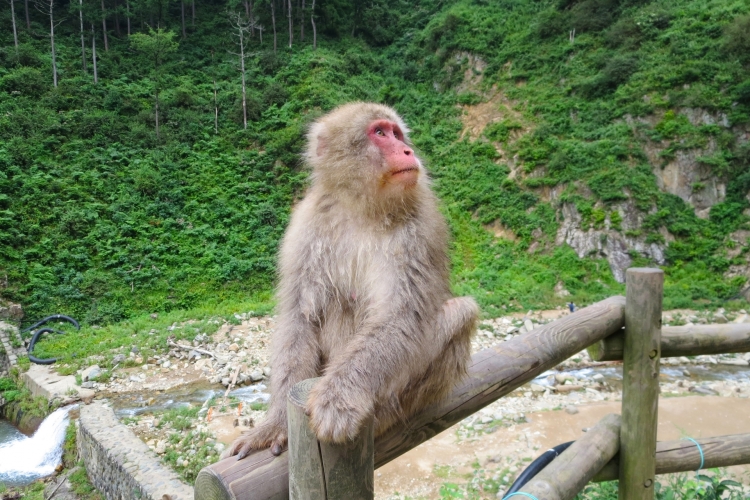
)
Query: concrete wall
[{"x": 119, "y": 464}]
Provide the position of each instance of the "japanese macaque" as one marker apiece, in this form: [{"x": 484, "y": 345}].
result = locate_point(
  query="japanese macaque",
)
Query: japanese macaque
[{"x": 363, "y": 298}]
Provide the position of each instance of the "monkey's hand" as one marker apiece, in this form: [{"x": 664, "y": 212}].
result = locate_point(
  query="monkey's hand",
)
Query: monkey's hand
[
  {"x": 268, "y": 434},
  {"x": 337, "y": 412}
]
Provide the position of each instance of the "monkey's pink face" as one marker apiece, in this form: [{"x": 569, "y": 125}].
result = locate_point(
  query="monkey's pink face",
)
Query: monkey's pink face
[{"x": 400, "y": 163}]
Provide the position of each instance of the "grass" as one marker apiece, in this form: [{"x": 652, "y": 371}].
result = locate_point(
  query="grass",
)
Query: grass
[{"x": 148, "y": 333}]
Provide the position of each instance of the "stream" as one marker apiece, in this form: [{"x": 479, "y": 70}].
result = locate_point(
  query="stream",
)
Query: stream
[{"x": 24, "y": 459}]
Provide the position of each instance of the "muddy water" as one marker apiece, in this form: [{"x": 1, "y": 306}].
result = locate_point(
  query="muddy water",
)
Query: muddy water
[{"x": 693, "y": 416}]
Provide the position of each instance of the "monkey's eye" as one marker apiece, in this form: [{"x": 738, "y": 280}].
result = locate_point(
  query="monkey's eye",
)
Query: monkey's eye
[{"x": 379, "y": 132}]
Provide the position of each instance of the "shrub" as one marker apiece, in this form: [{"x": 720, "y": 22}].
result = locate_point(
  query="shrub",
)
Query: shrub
[
  {"x": 737, "y": 37},
  {"x": 26, "y": 81}
]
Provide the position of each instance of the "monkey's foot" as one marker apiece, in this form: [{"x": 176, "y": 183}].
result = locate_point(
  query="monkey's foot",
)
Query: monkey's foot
[
  {"x": 337, "y": 415},
  {"x": 269, "y": 435}
]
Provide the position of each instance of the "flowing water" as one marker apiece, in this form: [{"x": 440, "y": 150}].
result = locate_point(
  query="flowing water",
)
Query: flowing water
[
  {"x": 24, "y": 459},
  {"x": 129, "y": 405},
  {"x": 612, "y": 374}
]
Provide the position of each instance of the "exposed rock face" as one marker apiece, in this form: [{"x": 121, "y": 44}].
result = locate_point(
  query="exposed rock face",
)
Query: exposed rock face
[
  {"x": 607, "y": 242},
  {"x": 685, "y": 176}
]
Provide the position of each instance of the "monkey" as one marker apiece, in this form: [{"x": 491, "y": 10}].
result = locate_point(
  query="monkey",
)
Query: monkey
[{"x": 363, "y": 298}]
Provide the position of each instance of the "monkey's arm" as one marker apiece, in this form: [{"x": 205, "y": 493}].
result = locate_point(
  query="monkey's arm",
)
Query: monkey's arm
[
  {"x": 392, "y": 350},
  {"x": 295, "y": 352}
]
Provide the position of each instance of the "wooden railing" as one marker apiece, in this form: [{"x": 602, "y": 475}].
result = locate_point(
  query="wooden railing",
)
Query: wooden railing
[{"x": 623, "y": 448}]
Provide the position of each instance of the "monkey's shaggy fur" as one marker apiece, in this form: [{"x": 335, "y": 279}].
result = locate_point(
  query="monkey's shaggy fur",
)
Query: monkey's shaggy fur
[{"x": 363, "y": 298}]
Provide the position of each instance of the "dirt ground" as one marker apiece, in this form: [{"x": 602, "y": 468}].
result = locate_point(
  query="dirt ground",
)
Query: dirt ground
[{"x": 414, "y": 473}]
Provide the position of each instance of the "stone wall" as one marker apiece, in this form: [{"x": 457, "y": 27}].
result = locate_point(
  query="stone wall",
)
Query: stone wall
[
  {"x": 119, "y": 464},
  {"x": 8, "y": 353}
]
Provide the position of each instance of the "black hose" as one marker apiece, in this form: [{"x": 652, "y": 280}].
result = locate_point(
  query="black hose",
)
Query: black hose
[
  {"x": 536, "y": 466},
  {"x": 51, "y": 318},
  {"x": 34, "y": 338}
]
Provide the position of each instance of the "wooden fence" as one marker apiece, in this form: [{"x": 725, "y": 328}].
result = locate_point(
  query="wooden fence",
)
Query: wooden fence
[{"x": 619, "y": 447}]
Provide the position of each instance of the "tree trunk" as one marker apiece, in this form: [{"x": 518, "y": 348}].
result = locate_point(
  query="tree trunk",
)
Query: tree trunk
[
  {"x": 273, "y": 22},
  {"x": 93, "y": 53},
  {"x": 251, "y": 16},
  {"x": 127, "y": 10},
  {"x": 354, "y": 18},
  {"x": 117, "y": 22},
  {"x": 52, "y": 42},
  {"x": 83, "y": 43},
  {"x": 28, "y": 19},
  {"x": 312, "y": 20},
  {"x": 192, "y": 6},
  {"x": 242, "y": 68},
  {"x": 15, "y": 30},
  {"x": 302, "y": 22},
  {"x": 289, "y": 16},
  {"x": 104, "y": 28},
  {"x": 182, "y": 10},
  {"x": 156, "y": 112}
]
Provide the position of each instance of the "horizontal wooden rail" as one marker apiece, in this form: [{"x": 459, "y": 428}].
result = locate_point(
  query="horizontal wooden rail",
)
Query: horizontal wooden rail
[
  {"x": 676, "y": 341},
  {"x": 683, "y": 455},
  {"x": 568, "y": 474},
  {"x": 492, "y": 373}
]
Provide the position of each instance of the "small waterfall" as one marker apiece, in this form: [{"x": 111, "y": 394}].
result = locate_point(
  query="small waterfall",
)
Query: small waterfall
[{"x": 24, "y": 459}]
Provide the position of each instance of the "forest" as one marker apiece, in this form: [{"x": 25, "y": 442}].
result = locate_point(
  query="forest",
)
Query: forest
[{"x": 150, "y": 149}]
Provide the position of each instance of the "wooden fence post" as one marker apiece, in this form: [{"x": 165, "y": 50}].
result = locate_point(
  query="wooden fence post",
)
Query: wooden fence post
[
  {"x": 640, "y": 391},
  {"x": 320, "y": 471}
]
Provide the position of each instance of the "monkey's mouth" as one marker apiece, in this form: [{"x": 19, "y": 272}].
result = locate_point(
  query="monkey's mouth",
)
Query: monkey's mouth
[{"x": 405, "y": 170}]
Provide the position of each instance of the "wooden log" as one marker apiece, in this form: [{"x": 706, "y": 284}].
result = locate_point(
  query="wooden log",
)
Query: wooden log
[
  {"x": 683, "y": 455},
  {"x": 492, "y": 373},
  {"x": 676, "y": 341},
  {"x": 320, "y": 471},
  {"x": 640, "y": 384},
  {"x": 568, "y": 474}
]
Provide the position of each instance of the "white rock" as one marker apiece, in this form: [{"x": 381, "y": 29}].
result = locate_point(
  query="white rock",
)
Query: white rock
[
  {"x": 742, "y": 318},
  {"x": 161, "y": 447},
  {"x": 90, "y": 372},
  {"x": 735, "y": 362}
]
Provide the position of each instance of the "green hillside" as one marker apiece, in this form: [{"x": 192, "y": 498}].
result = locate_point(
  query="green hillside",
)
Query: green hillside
[{"x": 560, "y": 156}]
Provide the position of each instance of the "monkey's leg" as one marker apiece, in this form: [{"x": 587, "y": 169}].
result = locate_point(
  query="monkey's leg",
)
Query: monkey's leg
[
  {"x": 455, "y": 326},
  {"x": 295, "y": 357}
]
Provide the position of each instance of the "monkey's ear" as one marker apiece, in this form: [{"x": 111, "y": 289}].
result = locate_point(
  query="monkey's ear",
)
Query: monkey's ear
[{"x": 317, "y": 140}]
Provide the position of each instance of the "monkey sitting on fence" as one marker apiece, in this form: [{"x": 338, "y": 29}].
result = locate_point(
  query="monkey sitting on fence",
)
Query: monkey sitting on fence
[{"x": 363, "y": 298}]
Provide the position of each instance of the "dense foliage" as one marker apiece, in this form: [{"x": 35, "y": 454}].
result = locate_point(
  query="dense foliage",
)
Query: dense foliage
[{"x": 101, "y": 219}]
